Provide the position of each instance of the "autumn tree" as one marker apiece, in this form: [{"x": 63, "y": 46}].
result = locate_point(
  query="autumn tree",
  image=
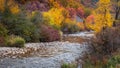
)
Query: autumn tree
[
  {"x": 54, "y": 17},
  {"x": 102, "y": 16},
  {"x": 116, "y": 11}
]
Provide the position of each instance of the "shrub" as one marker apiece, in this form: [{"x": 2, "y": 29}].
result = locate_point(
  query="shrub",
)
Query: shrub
[
  {"x": 65, "y": 65},
  {"x": 113, "y": 62},
  {"x": 69, "y": 26},
  {"x": 18, "y": 24},
  {"x": 103, "y": 46},
  {"x": 95, "y": 61},
  {"x": 73, "y": 28},
  {"x": 81, "y": 26},
  {"x": 106, "y": 62},
  {"x": 37, "y": 20},
  {"x": 3, "y": 34},
  {"x": 49, "y": 34},
  {"x": 3, "y": 30},
  {"x": 15, "y": 41},
  {"x": 107, "y": 41},
  {"x": 2, "y": 41}
]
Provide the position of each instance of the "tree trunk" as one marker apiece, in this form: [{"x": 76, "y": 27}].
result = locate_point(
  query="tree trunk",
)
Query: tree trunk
[{"x": 117, "y": 12}]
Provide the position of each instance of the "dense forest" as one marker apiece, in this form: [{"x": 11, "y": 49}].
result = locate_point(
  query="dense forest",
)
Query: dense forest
[
  {"x": 36, "y": 21},
  {"x": 29, "y": 19}
]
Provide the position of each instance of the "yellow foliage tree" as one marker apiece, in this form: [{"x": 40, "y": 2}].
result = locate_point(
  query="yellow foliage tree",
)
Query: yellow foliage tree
[
  {"x": 11, "y": 4},
  {"x": 54, "y": 17},
  {"x": 102, "y": 16}
]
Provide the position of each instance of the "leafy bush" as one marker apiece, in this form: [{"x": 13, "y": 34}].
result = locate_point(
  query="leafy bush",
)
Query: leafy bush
[
  {"x": 49, "y": 34},
  {"x": 65, "y": 65},
  {"x": 3, "y": 34},
  {"x": 18, "y": 24},
  {"x": 73, "y": 28},
  {"x": 113, "y": 62},
  {"x": 95, "y": 61},
  {"x": 2, "y": 41},
  {"x": 69, "y": 26},
  {"x": 15, "y": 41},
  {"x": 107, "y": 41},
  {"x": 3, "y": 31},
  {"x": 81, "y": 26},
  {"x": 103, "y": 46},
  {"x": 37, "y": 20}
]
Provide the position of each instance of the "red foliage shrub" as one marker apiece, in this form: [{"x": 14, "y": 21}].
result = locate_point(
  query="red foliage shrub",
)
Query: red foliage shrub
[
  {"x": 80, "y": 12},
  {"x": 48, "y": 34}
]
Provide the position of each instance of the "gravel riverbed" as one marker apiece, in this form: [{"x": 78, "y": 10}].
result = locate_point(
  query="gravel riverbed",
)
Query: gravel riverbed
[
  {"x": 42, "y": 55},
  {"x": 63, "y": 52}
]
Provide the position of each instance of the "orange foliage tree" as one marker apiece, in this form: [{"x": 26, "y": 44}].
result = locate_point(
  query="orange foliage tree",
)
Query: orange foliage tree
[{"x": 89, "y": 21}]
